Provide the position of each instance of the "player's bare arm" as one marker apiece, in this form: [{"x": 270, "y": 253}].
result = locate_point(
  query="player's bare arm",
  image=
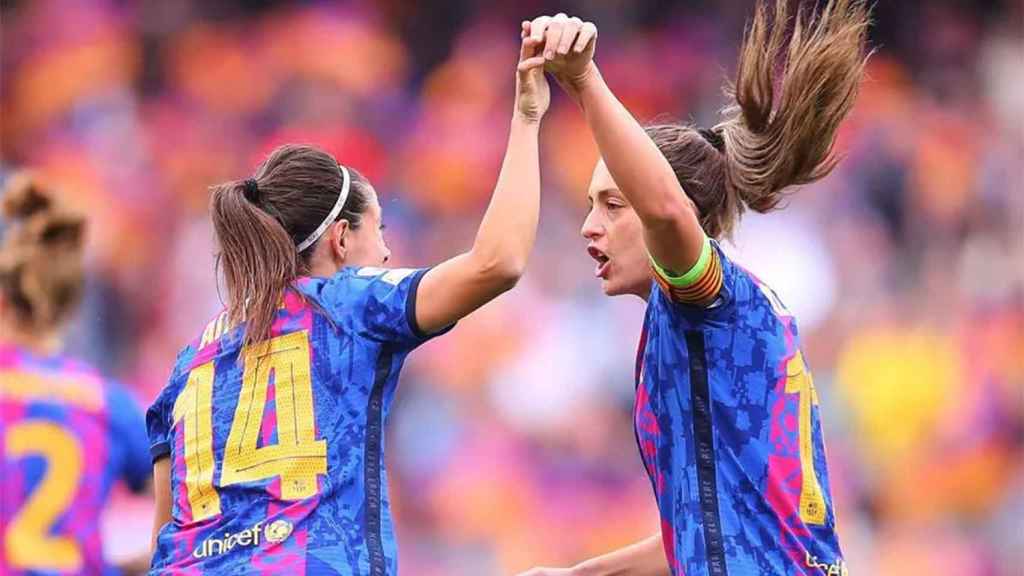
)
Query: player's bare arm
[
  {"x": 506, "y": 235},
  {"x": 672, "y": 231}
]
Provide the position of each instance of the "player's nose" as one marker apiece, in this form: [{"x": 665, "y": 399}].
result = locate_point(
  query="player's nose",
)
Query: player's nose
[{"x": 592, "y": 228}]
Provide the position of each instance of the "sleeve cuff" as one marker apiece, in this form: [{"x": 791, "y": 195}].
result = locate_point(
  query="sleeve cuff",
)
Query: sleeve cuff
[
  {"x": 159, "y": 451},
  {"x": 410, "y": 309}
]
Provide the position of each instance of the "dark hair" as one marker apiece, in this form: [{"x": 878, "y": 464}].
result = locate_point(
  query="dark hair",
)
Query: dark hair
[
  {"x": 260, "y": 221},
  {"x": 41, "y": 270},
  {"x": 773, "y": 137}
]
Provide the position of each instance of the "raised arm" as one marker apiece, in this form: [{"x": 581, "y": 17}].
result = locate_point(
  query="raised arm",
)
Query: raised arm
[
  {"x": 672, "y": 230},
  {"x": 459, "y": 286}
]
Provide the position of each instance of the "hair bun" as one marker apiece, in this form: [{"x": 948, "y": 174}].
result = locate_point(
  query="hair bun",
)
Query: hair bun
[
  {"x": 63, "y": 229},
  {"x": 24, "y": 197}
]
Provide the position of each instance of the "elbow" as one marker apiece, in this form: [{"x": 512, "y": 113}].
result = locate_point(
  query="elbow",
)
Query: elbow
[
  {"x": 501, "y": 272},
  {"x": 671, "y": 207}
]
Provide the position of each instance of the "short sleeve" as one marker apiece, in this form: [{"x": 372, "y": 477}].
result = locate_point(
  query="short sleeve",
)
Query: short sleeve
[
  {"x": 128, "y": 432},
  {"x": 159, "y": 424},
  {"x": 381, "y": 302}
]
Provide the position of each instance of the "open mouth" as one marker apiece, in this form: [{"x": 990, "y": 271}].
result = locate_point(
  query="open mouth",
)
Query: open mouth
[{"x": 603, "y": 262}]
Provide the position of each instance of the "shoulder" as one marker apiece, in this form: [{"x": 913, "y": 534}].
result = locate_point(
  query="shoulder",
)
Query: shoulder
[
  {"x": 359, "y": 278},
  {"x": 724, "y": 285},
  {"x": 121, "y": 399},
  {"x": 185, "y": 358},
  {"x": 75, "y": 382},
  {"x": 357, "y": 287},
  {"x": 183, "y": 364}
]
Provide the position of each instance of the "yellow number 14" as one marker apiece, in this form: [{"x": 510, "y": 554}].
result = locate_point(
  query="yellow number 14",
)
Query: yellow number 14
[{"x": 297, "y": 459}]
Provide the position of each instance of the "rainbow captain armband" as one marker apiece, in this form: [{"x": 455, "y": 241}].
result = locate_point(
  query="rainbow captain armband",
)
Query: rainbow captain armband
[{"x": 699, "y": 285}]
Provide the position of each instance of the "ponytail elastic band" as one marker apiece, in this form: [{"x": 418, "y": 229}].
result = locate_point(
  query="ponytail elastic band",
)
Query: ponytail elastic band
[
  {"x": 713, "y": 137},
  {"x": 332, "y": 215},
  {"x": 251, "y": 190}
]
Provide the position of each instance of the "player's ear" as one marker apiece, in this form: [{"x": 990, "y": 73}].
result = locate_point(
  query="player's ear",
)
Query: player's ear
[{"x": 341, "y": 241}]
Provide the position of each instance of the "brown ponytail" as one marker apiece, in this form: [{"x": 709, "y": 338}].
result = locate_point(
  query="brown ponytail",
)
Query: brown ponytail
[
  {"x": 259, "y": 222},
  {"x": 773, "y": 138},
  {"x": 772, "y": 142},
  {"x": 41, "y": 269},
  {"x": 258, "y": 258}
]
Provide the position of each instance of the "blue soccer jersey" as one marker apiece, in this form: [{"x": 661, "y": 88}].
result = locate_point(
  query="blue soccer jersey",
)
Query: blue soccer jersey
[
  {"x": 276, "y": 450},
  {"x": 66, "y": 436},
  {"x": 727, "y": 422}
]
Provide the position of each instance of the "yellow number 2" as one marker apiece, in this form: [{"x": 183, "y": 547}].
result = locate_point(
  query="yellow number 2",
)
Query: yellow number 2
[
  {"x": 27, "y": 541},
  {"x": 798, "y": 381},
  {"x": 297, "y": 459}
]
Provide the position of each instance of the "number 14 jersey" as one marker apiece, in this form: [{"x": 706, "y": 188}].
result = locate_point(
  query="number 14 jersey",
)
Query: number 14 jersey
[{"x": 276, "y": 449}]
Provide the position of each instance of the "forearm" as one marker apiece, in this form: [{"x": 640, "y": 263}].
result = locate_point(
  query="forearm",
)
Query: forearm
[
  {"x": 645, "y": 558},
  {"x": 642, "y": 173},
  {"x": 509, "y": 226},
  {"x": 672, "y": 231}
]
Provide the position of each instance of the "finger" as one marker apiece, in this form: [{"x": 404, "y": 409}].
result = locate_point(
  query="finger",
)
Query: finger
[
  {"x": 569, "y": 33},
  {"x": 529, "y": 48},
  {"x": 528, "y": 64},
  {"x": 554, "y": 34},
  {"x": 525, "y": 29},
  {"x": 539, "y": 26},
  {"x": 587, "y": 34}
]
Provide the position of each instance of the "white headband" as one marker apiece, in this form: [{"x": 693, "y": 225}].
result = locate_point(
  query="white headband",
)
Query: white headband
[{"x": 333, "y": 215}]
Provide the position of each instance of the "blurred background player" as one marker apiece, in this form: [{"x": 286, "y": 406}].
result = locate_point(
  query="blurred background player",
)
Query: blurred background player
[
  {"x": 268, "y": 439},
  {"x": 726, "y": 413},
  {"x": 67, "y": 435}
]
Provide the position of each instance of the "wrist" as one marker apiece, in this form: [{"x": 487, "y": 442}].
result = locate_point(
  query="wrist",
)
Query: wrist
[
  {"x": 585, "y": 80},
  {"x": 526, "y": 121}
]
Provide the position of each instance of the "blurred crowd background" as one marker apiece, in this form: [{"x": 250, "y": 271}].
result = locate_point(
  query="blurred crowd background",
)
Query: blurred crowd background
[{"x": 511, "y": 443}]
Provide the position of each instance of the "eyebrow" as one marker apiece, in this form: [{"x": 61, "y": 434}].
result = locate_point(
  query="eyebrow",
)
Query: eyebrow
[{"x": 604, "y": 193}]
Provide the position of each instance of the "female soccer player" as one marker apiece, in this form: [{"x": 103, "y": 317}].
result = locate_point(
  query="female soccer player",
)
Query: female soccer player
[
  {"x": 66, "y": 434},
  {"x": 267, "y": 441},
  {"x": 726, "y": 414}
]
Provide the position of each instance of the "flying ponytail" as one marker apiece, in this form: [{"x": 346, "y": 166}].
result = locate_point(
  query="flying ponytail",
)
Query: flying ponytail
[{"x": 782, "y": 126}]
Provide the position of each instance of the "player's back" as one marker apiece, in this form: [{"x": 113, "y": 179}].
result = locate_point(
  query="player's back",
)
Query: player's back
[
  {"x": 276, "y": 448},
  {"x": 66, "y": 436},
  {"x": 728, "y": 426}
]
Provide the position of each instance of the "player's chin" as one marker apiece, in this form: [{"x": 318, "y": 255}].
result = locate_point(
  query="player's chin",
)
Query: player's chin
[{"x": 611, "y": 288}]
